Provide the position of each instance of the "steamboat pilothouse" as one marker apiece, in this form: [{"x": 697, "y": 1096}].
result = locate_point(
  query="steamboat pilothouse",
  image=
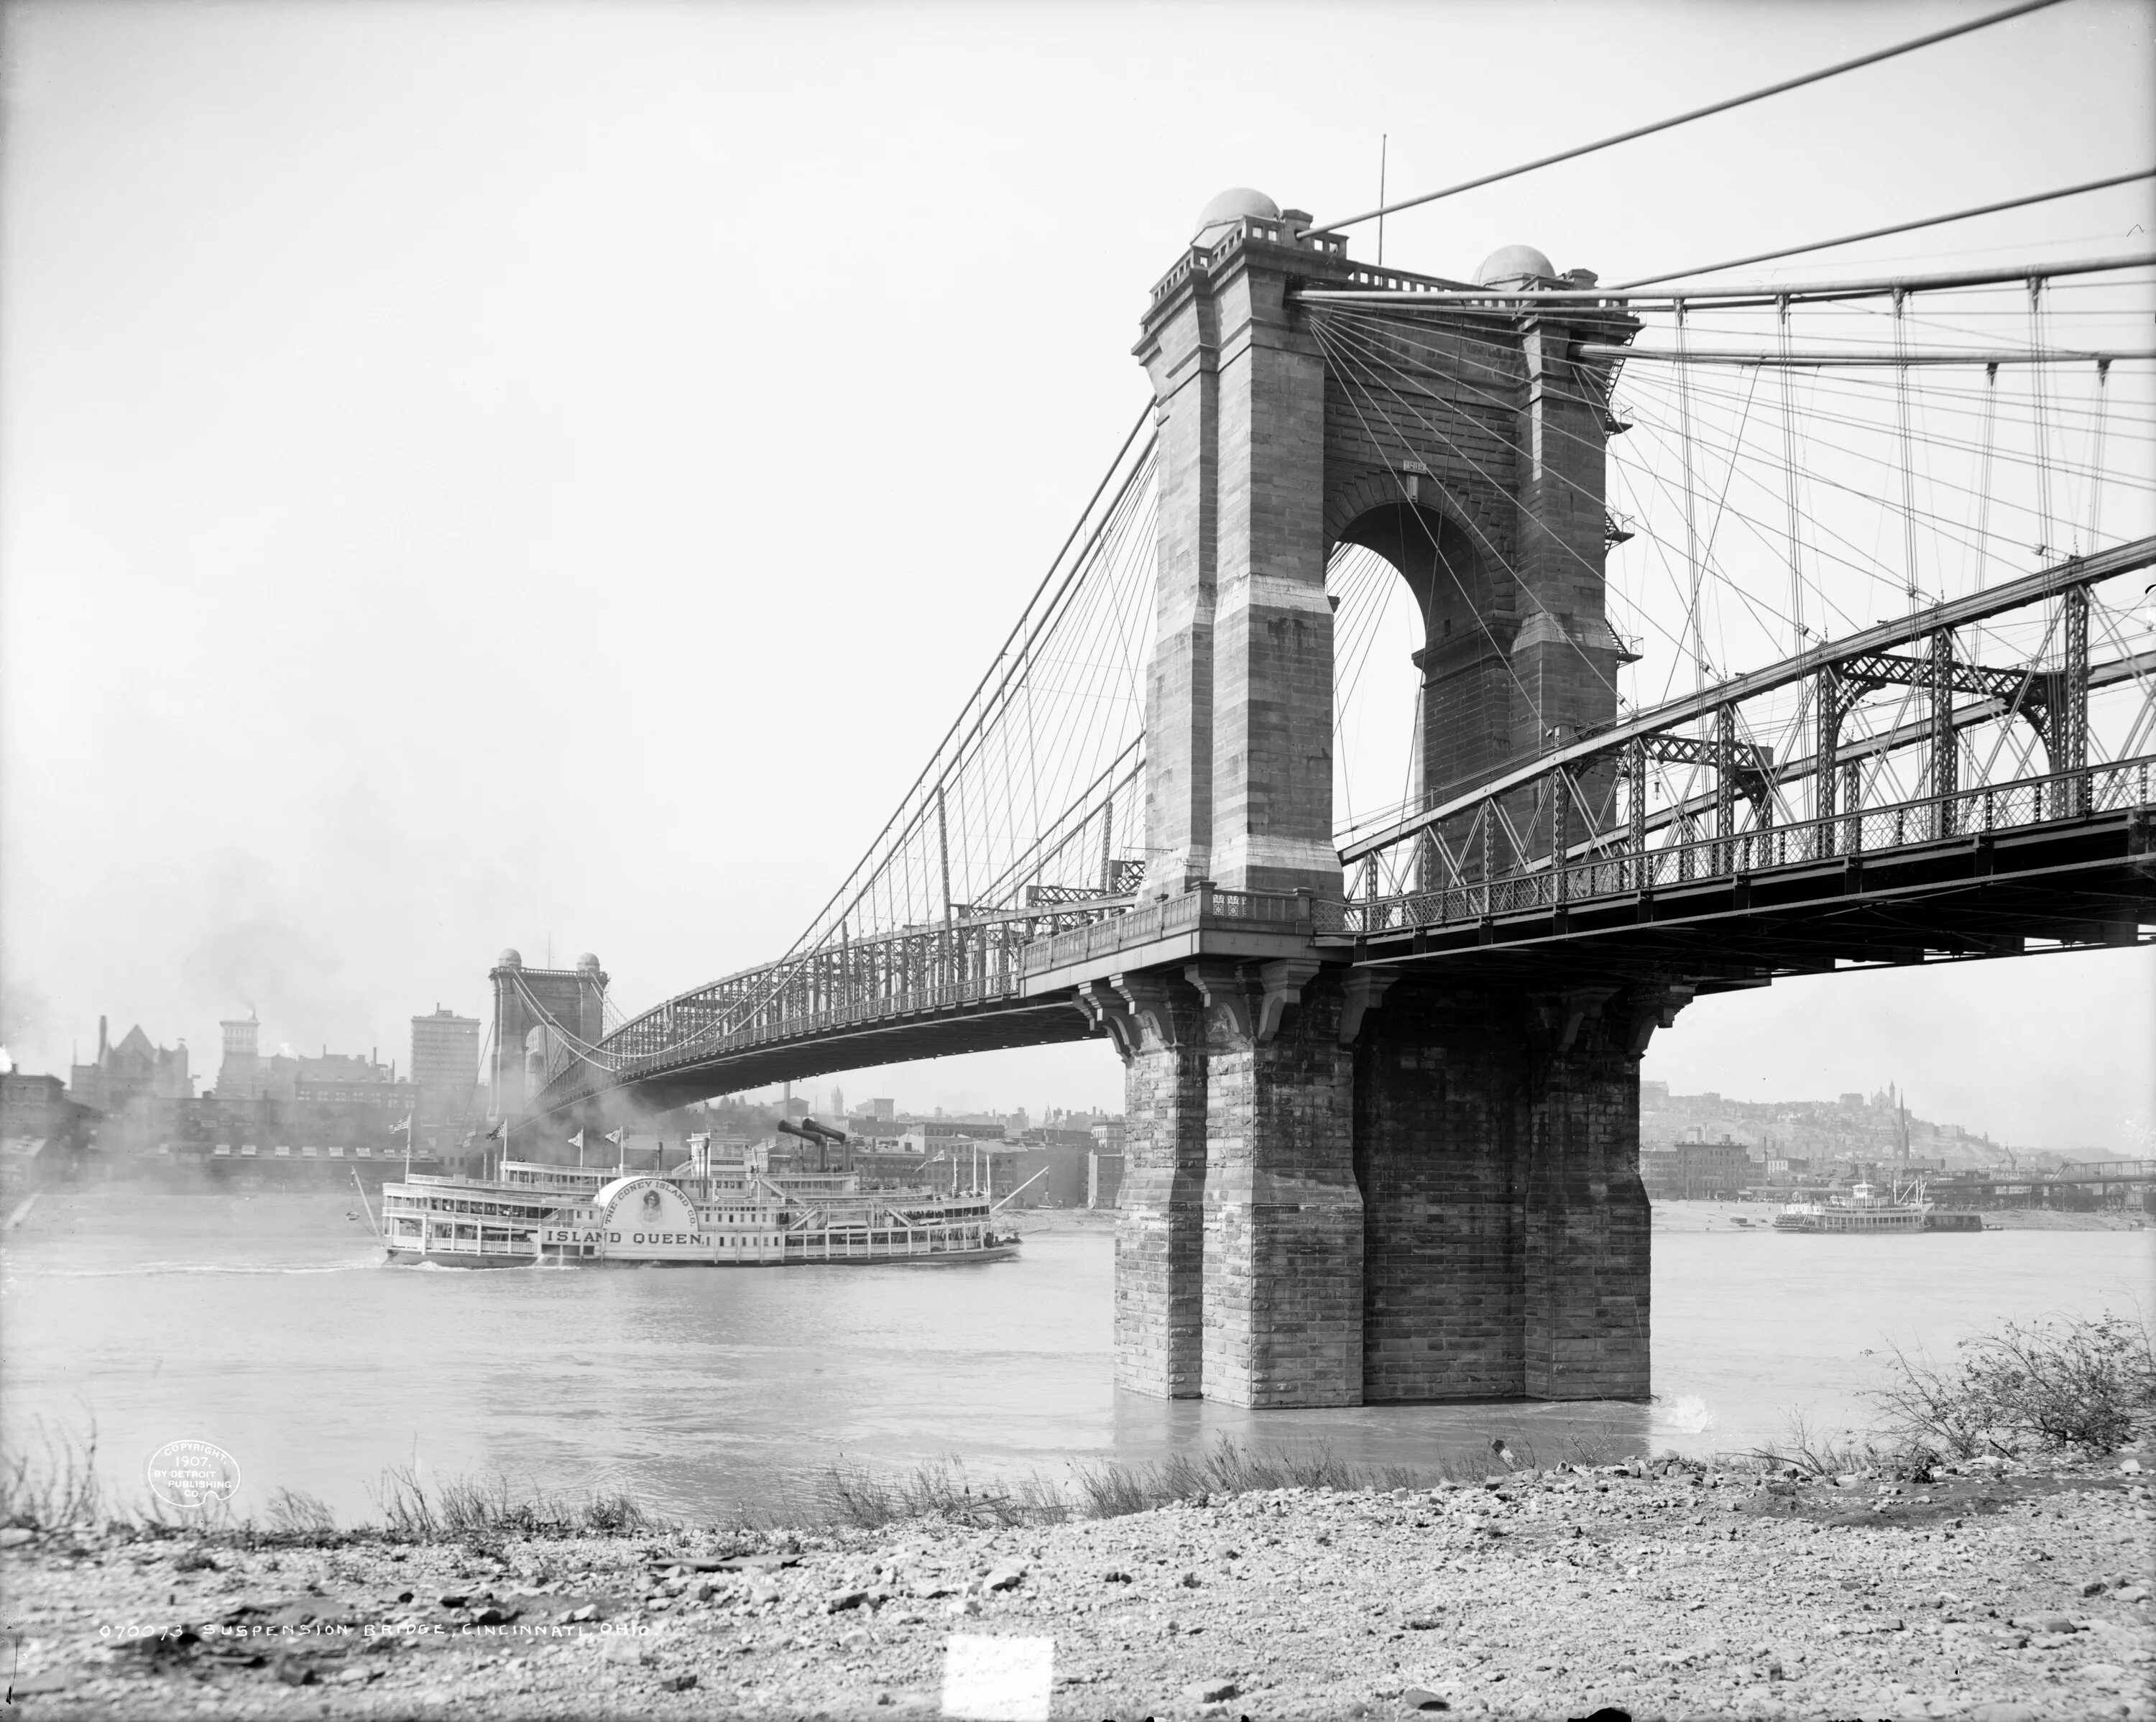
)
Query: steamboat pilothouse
[{"x": 703, "y": 1213}]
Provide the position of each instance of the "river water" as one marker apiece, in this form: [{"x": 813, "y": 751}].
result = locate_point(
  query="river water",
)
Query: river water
[{"x": 266, "y": 1323}]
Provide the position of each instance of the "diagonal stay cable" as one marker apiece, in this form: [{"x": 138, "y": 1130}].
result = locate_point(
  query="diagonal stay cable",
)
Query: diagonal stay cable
[
  {"x": 1481, "y": 471},
  {"x": 1466, "y": 517},
  {"x": 1027, "y": 628}
]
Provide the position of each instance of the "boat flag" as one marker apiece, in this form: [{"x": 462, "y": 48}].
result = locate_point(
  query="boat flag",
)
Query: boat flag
[
  {"x": 615, "y": 1136},
  {"x": 577, "y": 1142}
]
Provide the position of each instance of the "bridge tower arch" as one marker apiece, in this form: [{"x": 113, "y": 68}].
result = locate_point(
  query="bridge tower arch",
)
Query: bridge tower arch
[
  {"x": 1468, "y": 449},
  {"x": 1343, "y": 1185}
]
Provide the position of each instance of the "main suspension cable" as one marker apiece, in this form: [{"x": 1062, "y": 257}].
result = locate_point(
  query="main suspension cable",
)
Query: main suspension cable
[{"x": 1685, "y": 119}]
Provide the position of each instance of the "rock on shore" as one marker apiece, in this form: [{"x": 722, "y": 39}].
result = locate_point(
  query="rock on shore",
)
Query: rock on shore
[{"x": 1664, "y": 1594}]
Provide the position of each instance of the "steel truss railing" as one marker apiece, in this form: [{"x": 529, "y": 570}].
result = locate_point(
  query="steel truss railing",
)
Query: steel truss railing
[
  {"x": 1623, "y": 872},
  {"x": 971, "y": 961}
]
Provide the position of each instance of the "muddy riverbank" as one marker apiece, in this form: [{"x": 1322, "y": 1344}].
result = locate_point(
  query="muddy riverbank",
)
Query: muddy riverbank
[{"x": 1666, "y": 1591}]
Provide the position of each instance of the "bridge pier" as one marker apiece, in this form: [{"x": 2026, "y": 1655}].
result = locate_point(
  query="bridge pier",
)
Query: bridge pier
[
  {"x": 1438, "y": 1145},
  {"x": 1585, "y": 1272},
  {"x": 1160, "y": 1240},
  {"x": 1407, "y": 1192},
  {"x": 1283, "y": 1260}
]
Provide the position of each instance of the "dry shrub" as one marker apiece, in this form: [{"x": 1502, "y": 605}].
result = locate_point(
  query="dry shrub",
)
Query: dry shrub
[
  {"x": 52, "y": 1483},
  {"x": 850, "y": 1494},
  {"x": 485, "y": 1510},
  {"x": 2068, "y": 1384},
  {"x": 297, "y": 1513}
]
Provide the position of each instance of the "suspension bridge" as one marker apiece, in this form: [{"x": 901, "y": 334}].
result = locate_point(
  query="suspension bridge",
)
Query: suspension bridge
[{"x": 1757, "y": 629}]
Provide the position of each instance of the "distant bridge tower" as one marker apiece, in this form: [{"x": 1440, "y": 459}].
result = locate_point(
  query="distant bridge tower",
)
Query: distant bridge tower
[
  {"x": 532, "y": 1010},
  {"x": 1344, "y": 1183}
]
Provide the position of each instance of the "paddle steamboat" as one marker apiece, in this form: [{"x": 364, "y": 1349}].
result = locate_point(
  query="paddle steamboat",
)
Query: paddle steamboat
[
  {"x": 1862, "y": 1209},
  {"x": 703, "y": 1213}
]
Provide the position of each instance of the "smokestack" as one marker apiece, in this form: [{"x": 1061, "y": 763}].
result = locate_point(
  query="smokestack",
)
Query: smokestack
[{"x": 100, "y": 1040}]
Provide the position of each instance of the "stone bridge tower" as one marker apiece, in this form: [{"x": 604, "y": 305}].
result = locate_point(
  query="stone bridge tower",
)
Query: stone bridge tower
[
  {"x": 536, "y": 1010},
  {"x": 1346, "y": 1183}
]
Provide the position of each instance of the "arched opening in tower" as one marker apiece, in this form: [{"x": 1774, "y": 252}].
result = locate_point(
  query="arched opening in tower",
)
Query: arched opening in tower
[{"x": 1424, "y": 704}]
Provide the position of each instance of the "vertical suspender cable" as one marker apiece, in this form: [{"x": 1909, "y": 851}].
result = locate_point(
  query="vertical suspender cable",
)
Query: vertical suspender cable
[
  {"x": 1032, "y": 742},
  {"x": 1691, "y": 524},
  {"x": 943, "y": 854},
  {"x": 2043, "y": 431},
  {"x": 1984, "y": 475},
  {"x": 1908, "y": 476},
  {"x": 2038, "y": 393},
  {"x": 2095, "y": 455},
  {"x": 1790, "y": 481}
]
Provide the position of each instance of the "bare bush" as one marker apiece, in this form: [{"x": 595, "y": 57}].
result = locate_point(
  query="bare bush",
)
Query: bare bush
[
  {"x": 2069, "y": 1384},
  {"x": 850, "y": 1494},
  {"x": 298, "y": 1514},
  {"x": 485, "y": 1510},
  {"x": 1814, "y": 1453},
  {"x": 52, "y": 1481},
  {"x": 1109, "y": 1490}
]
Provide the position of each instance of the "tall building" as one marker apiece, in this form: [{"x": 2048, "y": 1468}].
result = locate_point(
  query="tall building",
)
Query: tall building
[
  {"x": 239, "y": 1075},
  {"x": 446, "y": 1064}
]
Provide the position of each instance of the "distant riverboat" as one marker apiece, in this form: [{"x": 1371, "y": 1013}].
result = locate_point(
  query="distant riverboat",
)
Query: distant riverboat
[
  {"x": 701, "y": 1214},
  {"x": 1864, "y": 1210}
]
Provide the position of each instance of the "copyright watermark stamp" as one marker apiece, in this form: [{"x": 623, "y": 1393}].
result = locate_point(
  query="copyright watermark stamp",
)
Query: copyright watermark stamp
[{"x": 193, "y": 1476}]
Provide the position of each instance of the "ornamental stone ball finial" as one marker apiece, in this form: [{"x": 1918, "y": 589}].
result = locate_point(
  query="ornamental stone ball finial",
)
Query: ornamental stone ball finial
[
  {"x": 1511, "y": 265},
  {"x": 1231, "y": 206}
]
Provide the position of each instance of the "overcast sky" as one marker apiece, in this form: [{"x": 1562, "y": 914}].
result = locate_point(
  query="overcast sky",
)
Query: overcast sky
[{"x": 514, "y": 474}]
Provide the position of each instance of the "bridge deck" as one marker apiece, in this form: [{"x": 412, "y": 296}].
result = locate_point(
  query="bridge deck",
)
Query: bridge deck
[
  {"x": 2013, "y": 866},
  {"x": 2070, "y": 859}
]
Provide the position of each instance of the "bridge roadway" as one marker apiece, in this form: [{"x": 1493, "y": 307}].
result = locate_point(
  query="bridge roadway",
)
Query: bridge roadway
[{"x": 2069, "y": 860}]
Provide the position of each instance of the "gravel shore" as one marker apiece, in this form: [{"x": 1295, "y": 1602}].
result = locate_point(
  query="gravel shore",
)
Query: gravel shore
[{"x": 1660, "y": 1591}]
